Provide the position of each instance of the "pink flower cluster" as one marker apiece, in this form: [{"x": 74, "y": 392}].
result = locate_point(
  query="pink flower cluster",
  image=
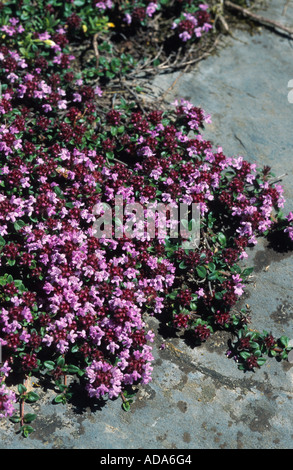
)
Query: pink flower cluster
[
  {"x": 139, "y": 13},
  {"x": 67, "y": 293},
  {"x": 193, "y": 25},
  {"x": 102, "y": 6},
  {"x": 7, "y": 402},
  {"x": 289, "y": 228}
]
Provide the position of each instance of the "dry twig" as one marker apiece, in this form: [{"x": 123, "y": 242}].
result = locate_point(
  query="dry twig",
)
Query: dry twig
[
  {"x": 259, "y": 19},
  {"x": 134, "y": 94},
  {"x": 96, "y": 50},
  {"x": 186, "y": 64},
  {"x": 285, "y": 7}
]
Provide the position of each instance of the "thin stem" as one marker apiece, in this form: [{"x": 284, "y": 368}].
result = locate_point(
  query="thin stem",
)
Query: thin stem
[
  {"x": 259, "y": 19},
  {"x": 22, "y": 404}
]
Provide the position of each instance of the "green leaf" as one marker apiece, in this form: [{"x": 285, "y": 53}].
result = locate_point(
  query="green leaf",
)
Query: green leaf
[
  {"x": 109, "y": 74},
  {"x": 245, "y": 355},
  {"x": 201, "y": 271},
  {"x": 72, "y": 369},
  {"x": 15, "y": 419},
  {"x": 120, "y": 129},
  {"x": 58, "y": 191},
  {"x": 257, "y": 353},
  {"x": 236, "y": 269},
  {"x": 21, "y": 389},
  {"x": 62, "y": 387},
  {"x": 75, "y": 349},
  {"x": 247, "y": 272},
  {"x": 127, "y": 393},
  {"x": 182, "y": 265},
  {"x": 284, "y": 340},
  {"x": 50, "y": 365},
  {"x": 230, "y": 174},
  {"x": 110, "y": 155},
  {"x": 212, "y": 266},
  {"x": 261, "y": 361},
  {"x": 11, "y": 262},
  {"x": 126, "y": 406},
  {"x": 211, "y": 220},
  {"x": 60, "y": 361},
  {"x": 284, "y": 355},
  {"x": 32, "y": 397},
  {"x": 222, "y": 239},
  {"x": 173, "y": 295},
  {"x": 219, "y": 296},
  {"x": 60, "y": 398},
  {"x": 19, "y": 284},
  {"x": 29, "y": 417},
  {"x": 253, "y": 334},
  {"x": 213, "y": 276},
  {"x": 19, "y": 224},
  {"x": 27, "y": 430}
]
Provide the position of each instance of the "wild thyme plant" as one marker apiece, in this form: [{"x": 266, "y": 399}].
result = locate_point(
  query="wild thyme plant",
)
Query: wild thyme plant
[{"x": 74, "y": 304}]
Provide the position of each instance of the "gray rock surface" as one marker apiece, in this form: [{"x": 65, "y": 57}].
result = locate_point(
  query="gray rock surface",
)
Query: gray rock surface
[{"x": 198, "y": 399}]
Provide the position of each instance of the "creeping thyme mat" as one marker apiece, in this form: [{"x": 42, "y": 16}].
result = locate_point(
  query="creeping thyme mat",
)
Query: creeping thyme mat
[{"x": 73, "y": 304}]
